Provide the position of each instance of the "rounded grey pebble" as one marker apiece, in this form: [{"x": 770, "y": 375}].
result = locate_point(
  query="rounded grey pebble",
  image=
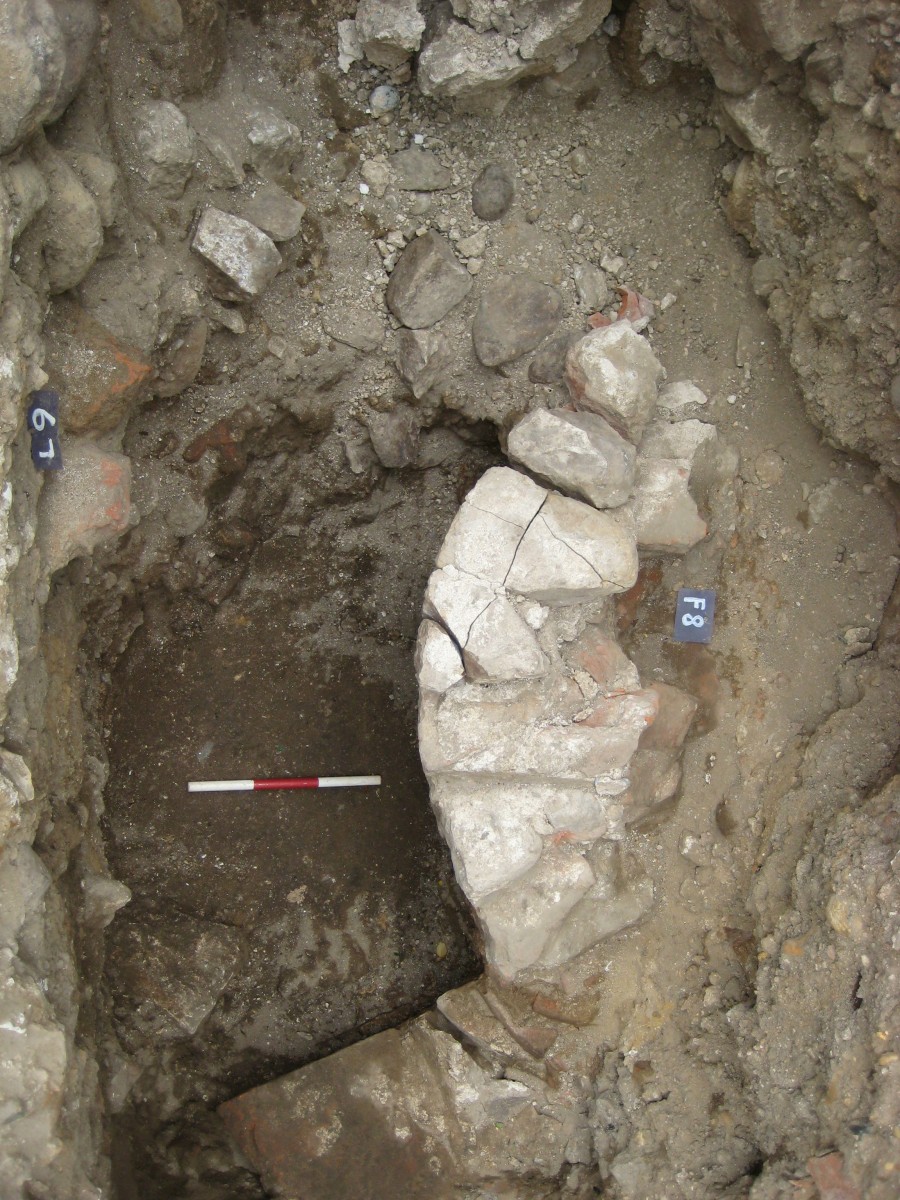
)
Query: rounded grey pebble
[
  {"x": 492, "y": 193},
  {"x": 384, "y": 99}
]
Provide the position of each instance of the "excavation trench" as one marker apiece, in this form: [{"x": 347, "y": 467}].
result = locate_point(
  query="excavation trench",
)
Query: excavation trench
[{"x": 247, "y": 603}]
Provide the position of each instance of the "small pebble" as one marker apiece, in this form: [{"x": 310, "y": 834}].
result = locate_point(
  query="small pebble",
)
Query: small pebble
[
  {"x": 440, "y": 950},
  {"x": 384, "y": 99}
]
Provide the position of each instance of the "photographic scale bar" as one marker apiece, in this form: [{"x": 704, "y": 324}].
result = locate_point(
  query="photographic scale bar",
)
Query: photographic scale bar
[{"x": 284, "y": 785}]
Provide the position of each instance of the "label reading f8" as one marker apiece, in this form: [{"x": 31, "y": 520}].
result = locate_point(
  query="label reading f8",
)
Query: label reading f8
[
  {"x": 694, "y": 612},
  {"x": 43, "y": 423}
]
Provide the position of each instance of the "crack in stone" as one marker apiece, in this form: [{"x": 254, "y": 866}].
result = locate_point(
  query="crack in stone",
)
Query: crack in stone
[
  {"x": 522, "y": 538},
  {"x": 578, "y": 554},
  {"x": 490, "y": 513}
]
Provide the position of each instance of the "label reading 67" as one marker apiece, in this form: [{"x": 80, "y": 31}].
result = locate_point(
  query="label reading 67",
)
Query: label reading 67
[
  {"x": 43, "y": 423},
  {"x": 694, "y": 613}
]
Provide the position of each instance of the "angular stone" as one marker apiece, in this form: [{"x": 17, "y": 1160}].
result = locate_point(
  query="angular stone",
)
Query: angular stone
[
  {"x": 84, "y": 504},
  {"x": 653, "y": 779},
  {"x": 496, "y": 642},
  {"x": 167, "y": 147},
  {"x": 571, "y": 554},
  {"x": 549, "y": 364},
  {"x": 666, "y": 519},
  {"x": 471, "y": 1014},
  {"x": 519, "y": 920},
  {"x": 438, "y": 662},
  {"x": 492, "y": 193},
  {"x": 389, "y": 30},
  {"x": 675, "y": 396},
  {"x": 614, "y": 372},
  {"x": 395, "y": 436},
  {"x": 276, "y": 213},
  {"x": 424, "y": 358},
  {"x": 97, "y": 376},
  {"x": 513, "y": 317},
  {"x": 419, "y": 171},
  {"x": 273, "y": 141},
  {"x": 590, "y": 283},
  {"x": 487, "y": 530},
  {"x": 678, "y": 441},
  {"x": 492, "y": 829},
  {"x": 472, "y": 68},
  {"x": 427, "y": 282},
  {"x": 245, "y": 259},
  {"x": 579, "y": 453},
  {"x": 558, "y": 25}
]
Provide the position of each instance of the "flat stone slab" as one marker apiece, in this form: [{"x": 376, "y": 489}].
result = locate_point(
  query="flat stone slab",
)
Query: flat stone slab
[
  {"x": 614, "y": 372},
  {"x": 579, "y": 453},
  {"x": 427, "y": 282},
  {"x": 514, "y": 316}
]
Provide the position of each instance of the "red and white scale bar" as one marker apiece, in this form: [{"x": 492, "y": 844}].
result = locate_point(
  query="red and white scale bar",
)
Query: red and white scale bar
[{"x": 284, "y": 785}]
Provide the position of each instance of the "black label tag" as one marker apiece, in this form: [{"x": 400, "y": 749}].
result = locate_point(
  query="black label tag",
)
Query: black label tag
[
  {"x": 694, "y": 613},
  {"x": 43, "y": 424}
]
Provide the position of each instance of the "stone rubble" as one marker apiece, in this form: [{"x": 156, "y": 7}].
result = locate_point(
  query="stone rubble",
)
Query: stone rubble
[
  {"x": 514, "y": 316},
  {"x": 427, "y": 282},
  {"x": 614, "y": 372},
  {"x": 578, "y": 453}
]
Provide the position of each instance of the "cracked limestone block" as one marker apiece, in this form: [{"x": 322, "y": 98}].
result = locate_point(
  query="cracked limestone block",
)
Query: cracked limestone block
[
  {"x": 571, "y": 553},
  {"x": 579, "y": 453},
  {"x": 245, "y": 258},
  {"x": 666, "y": 519},
  {"x": 490, "y": 524},
  {"x": 614, "y": 372},
  {"x": 389, "y": 31},
  {"x": 508, "y": 734},
  {"x": 518, "y": 921},
  {"x": 427, "y": 282},
  {"x": 496, "y": 642},
  {"x": 167, "y": 147}
]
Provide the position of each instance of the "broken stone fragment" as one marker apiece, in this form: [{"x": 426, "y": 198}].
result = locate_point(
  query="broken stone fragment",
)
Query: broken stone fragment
[
  {"x": 676, "y": 711},
  {"x": 496, "y": 642},
  {"x": 557, "y": 26},
  {"x": 571, "y": 553},
  {"x": 614, "y": 372},
  {"x": 601, "y": 912},
  {"x": 427, "y": 282},
  {"x": 276, "y": 213},
  {"x": 579, "y": 453},
  {"x": 97, "y": 376},
  {"x": 677, "y": 441},
  {"x": 167, "y": 147},
  {"x": 515, "y": 314},
  {"x": 246, "y": 260},
  {"x": 487, "y": 530},
  {"x": 673, "y": 397},
  {"x": 666, "y": 520},
  {"x": 395, "y": 436},
  {"x": 419, "y": 171},
  {"x": 604, "y": 660},
  {"x": 424, "y": 358},
  {"x": 85, "y": 504},
  {"x": 437, "y": 661},
  {"x": 389, "y": 31}
]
